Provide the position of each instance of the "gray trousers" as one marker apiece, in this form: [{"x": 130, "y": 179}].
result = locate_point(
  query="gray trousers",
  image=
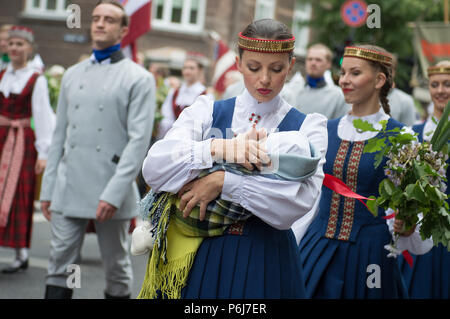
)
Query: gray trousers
[{"x": 113, "y": 240}]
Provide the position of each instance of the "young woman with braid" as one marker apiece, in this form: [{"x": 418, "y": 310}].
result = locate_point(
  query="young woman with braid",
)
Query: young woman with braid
[{"x": 342, "y": 251}]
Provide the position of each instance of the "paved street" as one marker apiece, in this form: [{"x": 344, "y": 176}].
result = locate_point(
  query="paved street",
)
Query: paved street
[{"x": 30, "y": 284}]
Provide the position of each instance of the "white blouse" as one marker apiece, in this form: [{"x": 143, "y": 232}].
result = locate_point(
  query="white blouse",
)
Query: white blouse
[
  {"x": 14, "y": 81},
  {"x": 186, "y": 96},
  {"x": 346, "y": 131},
  {"x": 186, "y": 150}
]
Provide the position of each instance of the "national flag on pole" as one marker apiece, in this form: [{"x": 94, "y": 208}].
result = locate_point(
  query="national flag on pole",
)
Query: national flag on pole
[
  {"x": 225, "y": 62},
  {"x": 432, "y": 43},
  {"x": 139, "y": 12}
]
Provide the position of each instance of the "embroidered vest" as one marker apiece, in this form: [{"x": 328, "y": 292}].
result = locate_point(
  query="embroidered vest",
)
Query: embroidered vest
[{"x": 342, "y": 217}]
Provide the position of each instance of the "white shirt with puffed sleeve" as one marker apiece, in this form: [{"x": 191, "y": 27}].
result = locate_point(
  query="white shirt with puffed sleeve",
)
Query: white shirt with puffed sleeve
[{"x": 186, "y": 150}]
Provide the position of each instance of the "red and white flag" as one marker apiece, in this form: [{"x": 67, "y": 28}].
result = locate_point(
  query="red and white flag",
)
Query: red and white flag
[
  {"x": 139, "y": 12},
  {"x": 225, "y": 62}
]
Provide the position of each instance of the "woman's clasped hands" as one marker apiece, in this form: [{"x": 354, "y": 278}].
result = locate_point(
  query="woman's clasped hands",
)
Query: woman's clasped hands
[{"x": 247, "y": 149}]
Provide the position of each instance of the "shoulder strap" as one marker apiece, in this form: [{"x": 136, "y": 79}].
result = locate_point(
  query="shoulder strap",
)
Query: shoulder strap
[
  {"x": 2, "y": 73},
  {"x": 223, "y": 116},
  {"x": 30, "y": 84},
  {"x": 419, "y": 129},
  {"x": 292, "y": 121}
]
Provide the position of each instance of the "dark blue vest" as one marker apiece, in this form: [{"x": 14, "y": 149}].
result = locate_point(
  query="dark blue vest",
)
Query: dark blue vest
[
  {"x": 342, "y": 217},
  {"x": 223, "y": 115}
]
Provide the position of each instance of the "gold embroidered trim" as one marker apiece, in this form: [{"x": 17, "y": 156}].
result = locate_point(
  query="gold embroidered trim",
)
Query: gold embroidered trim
[
  {"x": 352, "y": 182},
  {"x": 368, "y": 54},
  {"x": 438, "y": 70},
  {"x": 338, "y": 169},
  {"x": 266, "y": 45}
]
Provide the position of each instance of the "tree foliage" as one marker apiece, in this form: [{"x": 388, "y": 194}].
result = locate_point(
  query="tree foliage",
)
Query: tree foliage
[{"x": 394, "y": 34}]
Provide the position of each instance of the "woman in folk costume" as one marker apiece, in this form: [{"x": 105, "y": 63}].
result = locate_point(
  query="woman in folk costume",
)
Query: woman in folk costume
[
  {"x": 430, "y": 275},
  {"x": 258, "y": 257},
  {"x": 185, "y": 95},
  {"x": 23, "y": 94},
  {"x": 344, "y": 244}
]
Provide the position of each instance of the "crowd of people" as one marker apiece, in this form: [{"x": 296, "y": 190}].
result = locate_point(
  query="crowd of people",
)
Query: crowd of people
[{"x": 120, "y": 131}]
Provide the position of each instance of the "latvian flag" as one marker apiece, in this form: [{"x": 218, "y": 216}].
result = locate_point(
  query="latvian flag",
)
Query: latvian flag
[
  {"x": 225, "y": 62},
  {"x": 139, "y": 12}
]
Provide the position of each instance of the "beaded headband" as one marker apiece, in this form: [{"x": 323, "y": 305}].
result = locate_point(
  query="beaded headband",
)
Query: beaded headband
[
  {"x": 21, "y": 32},
  {"x": 266, "y": 45},
  {"x": 438, "y": 70},
  {"x": 368, "y": 54}
]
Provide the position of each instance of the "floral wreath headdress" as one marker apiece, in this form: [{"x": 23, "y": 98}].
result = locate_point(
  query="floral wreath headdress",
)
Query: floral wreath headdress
[
  {"x": 368, "y": 54},
  {"x": 266, "y": 45}
]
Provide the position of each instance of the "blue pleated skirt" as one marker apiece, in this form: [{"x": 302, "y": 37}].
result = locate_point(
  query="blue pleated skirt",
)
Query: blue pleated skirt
[
  {"x": 262, "y": 262},
  {"x": 335, "y": 269},
  {"x": 430, "y": 275}
]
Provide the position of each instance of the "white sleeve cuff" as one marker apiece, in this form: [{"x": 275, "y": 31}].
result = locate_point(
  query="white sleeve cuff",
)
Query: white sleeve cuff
[
  {"x": 232, "y": 185},
  {"x": 202, "y": 158}
]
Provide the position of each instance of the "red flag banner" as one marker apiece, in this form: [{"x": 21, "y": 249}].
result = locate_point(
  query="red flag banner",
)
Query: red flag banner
[
  {"x": 431, "y": 43},
  {"x": 139, "y": 12},
  {"x": 225, "y": 61}
]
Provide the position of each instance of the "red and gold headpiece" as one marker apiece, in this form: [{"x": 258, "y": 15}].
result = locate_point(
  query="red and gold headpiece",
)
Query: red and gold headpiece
[
  {"x": 266, "y": 45},
  {"x": 368, "y": 54},
  {"x": 438, "y": 69}
]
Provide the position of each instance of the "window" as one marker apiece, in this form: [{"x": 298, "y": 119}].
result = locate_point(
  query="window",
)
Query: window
[
  {"x": 185, "y": 16},
  {"x": 264, "y": 9},
  {"x": 46, "y": 9},
  {"x": 302, "y": 14}
]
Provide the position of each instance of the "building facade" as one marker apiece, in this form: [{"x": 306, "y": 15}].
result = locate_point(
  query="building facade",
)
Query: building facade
[{"x": 179, "y": 25}]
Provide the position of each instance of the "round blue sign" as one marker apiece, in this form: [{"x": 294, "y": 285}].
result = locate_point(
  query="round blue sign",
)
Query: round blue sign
[{"x": 354, "y": 13}]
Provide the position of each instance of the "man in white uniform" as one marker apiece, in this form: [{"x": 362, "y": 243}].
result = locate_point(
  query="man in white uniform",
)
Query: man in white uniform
[
  {"x": 104, "y": 122},
  {"x": 316, "y": 95}
]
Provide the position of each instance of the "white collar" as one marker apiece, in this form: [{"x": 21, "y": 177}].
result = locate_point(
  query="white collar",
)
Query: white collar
[
  {"x": 10, "y": 69},
  {"x": 253, "y": 106},
  {"x": 371, "y": 118},
  {"x": 196, "y": 87}
]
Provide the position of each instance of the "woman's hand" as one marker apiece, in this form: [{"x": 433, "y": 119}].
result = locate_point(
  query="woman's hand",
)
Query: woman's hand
[
  {"x": 244, "y": 149},
  {"x": 200, "y": 191},
  {"x": 39, "y": 167},
  {"x": 399, "y": 228}
]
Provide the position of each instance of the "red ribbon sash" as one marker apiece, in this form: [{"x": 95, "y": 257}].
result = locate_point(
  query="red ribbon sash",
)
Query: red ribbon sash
[{"x": 335, "y": 184}]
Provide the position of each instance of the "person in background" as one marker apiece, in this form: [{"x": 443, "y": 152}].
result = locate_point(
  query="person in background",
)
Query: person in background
[
  {"x": 402, "y": 104},
  {"x": 104, "y": 123},
  {"x": 23, "y": 94},
  {"x": 182, "y": 97},
  {"x": 317, "y": 95},
  {"x": 344, "y": 238},
  {"x": 430, "y": 275}
]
